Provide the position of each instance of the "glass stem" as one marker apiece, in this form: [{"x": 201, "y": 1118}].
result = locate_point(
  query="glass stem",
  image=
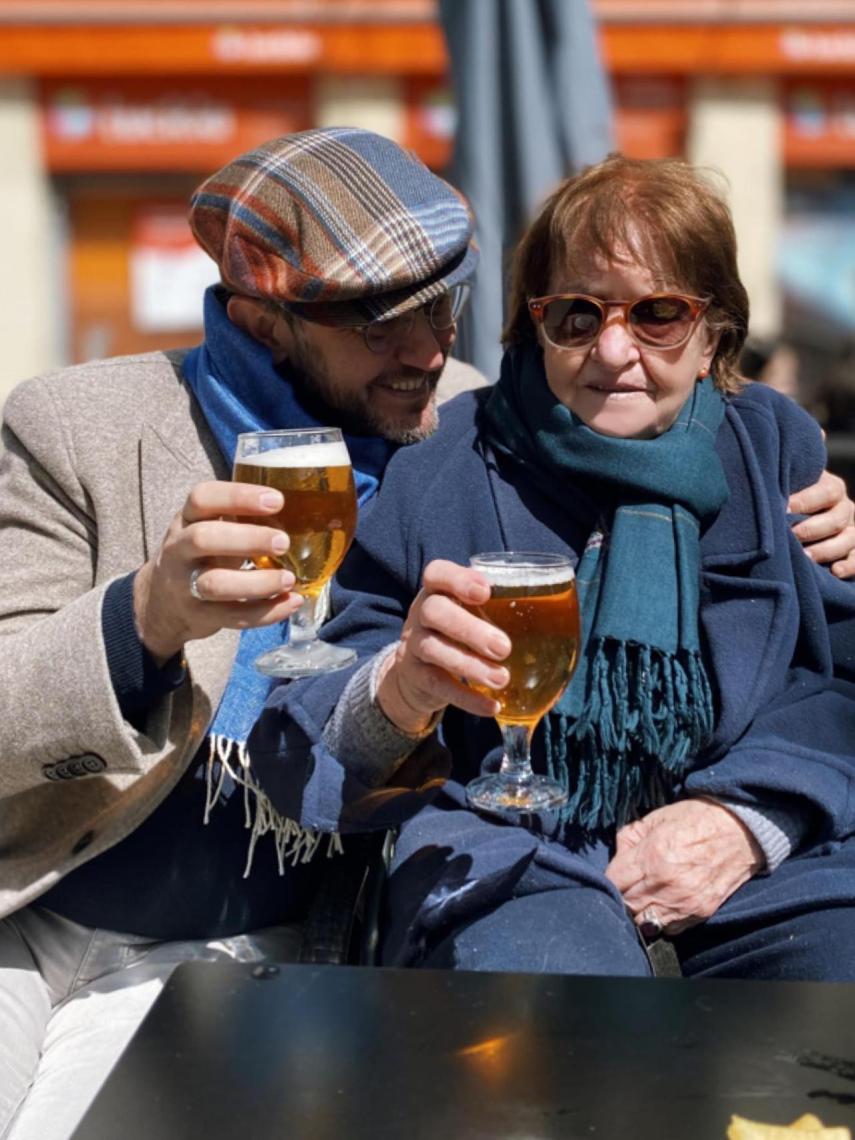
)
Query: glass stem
[
  {"x": 303, "y": 625},
  {"x": 516, "y": 762}
]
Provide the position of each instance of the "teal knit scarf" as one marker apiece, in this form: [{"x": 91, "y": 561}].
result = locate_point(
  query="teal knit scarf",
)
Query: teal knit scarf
[{"x": 640, "y": 705}]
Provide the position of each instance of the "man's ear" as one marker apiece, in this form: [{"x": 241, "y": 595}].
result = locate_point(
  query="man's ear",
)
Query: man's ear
[{"x": 260, "y": 322}]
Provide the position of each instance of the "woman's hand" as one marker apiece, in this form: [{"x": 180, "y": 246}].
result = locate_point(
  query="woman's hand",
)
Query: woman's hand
[
  {"x": 443, "y": 646},
  {"x": 683, "y": 861},
  {"x": 201, "y": 540},
  {"x": 828, "y": 534}
]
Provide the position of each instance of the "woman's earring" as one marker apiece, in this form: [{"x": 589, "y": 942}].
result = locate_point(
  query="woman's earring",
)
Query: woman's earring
[{"x": 704, "y": 372}]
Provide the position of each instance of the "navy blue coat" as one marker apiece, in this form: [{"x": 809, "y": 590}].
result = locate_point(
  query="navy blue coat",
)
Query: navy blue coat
[{"x": 778, "y": 633}]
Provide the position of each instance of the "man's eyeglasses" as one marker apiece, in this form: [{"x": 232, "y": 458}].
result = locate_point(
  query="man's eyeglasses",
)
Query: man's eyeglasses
[
  {"x": 441, "y": 314},
  {"x": 659, "y": 320}
]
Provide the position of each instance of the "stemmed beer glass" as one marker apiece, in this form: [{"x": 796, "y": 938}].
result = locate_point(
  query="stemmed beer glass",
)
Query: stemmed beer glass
[
  {"x": 312, "y": 469},
  {"x": 533, "y": 599}
]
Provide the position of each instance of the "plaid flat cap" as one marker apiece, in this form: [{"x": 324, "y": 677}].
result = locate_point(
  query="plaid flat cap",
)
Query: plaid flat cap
[{"x": 340, "y": 225}]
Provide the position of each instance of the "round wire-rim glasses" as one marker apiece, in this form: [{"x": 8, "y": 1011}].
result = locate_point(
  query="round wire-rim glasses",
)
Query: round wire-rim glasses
[
  {"x": 441, "y": 313},
  {"x": 657, "y": 320}
]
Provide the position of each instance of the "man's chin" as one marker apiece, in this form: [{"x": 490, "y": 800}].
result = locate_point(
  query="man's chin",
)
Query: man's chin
[
  {"x": 409, "y": 429},
  {"x": 403, "y": 424}
]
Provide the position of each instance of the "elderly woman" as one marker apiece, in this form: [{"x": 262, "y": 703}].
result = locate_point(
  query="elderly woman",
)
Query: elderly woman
[{"x": 620, "y": 434}]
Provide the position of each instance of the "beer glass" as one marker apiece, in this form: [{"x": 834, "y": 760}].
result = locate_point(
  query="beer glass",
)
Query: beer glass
[
  {"x": 311, "y": 467},
  {"x": 533, "y": 599}
]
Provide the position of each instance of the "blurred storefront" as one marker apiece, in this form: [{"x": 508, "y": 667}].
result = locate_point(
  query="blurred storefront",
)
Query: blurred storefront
[{"x": 112, "y": 110}]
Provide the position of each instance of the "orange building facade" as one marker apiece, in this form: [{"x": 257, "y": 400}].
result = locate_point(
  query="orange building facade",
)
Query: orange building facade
[{"x": 111, "y": 111}]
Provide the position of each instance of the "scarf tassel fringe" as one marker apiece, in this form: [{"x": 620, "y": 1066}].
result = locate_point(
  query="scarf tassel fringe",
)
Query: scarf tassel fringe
[
  {"x": 294, "y": 843},
  {"x": 646, "y": 714}
]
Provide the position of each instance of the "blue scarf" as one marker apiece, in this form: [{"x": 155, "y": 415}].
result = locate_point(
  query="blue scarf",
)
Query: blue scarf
[
  {"x": 639, "y": 705},
  {"x": 239, "y": 389}
]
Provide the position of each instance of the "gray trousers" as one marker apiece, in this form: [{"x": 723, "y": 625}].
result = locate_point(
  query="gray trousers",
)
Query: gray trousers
[{"x": 70, "y": 1000}]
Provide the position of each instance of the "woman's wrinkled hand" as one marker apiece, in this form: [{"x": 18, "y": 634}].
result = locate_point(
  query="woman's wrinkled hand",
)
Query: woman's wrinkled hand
[
  {"x": 202, "y": 538},
  {"x": 828, "y": 533},
  {"x": 683, "y": 860},
  {"x": 444, "y": 649}
]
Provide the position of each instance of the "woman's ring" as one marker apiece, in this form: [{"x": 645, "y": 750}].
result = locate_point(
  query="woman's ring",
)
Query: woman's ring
[
  {"x": 194, "y": 580},
  {"x": 650, "y": 925}
]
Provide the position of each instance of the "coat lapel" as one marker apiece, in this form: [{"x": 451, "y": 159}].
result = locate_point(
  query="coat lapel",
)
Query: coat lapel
[
  {"x": 529, "y": 520},
  {"x": 747, "y": 613},
  {"x": 176, "y": 453},
  {"x": 743, "y": 532}
]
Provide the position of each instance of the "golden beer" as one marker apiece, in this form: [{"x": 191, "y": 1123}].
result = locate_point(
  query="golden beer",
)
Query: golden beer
[
  {"x": 541, "y": 618},
  {"x": 319, "y": 513}
]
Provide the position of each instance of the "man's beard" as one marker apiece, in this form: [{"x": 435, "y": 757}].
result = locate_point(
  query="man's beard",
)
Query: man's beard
[{"x": 352, "y": 411}]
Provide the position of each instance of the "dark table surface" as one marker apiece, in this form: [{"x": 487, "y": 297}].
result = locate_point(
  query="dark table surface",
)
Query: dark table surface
[{"x": 331, "y": 1052}]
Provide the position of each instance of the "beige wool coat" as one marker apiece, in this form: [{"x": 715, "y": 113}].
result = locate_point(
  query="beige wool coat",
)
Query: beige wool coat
[{"x": 97, "y": 460}]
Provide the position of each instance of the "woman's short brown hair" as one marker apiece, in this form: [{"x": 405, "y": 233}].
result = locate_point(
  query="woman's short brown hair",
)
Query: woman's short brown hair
[{"x": 667, "y": 215}]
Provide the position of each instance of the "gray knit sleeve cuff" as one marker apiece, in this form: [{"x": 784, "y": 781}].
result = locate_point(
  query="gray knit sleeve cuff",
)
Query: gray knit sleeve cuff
[
  {"x": 777, "y": 831},
  {"x": 360, "y": 734}
]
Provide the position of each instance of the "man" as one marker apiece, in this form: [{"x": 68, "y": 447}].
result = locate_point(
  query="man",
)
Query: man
[
  {"x": 128, "y": 629},
  {"x": 115, "y": 680}
]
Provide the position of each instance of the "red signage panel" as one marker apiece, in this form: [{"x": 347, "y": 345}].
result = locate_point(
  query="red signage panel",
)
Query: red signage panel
[
  {"x": 172, "y": 124},
  {"x": 819, "y": 123},
  {"x": 650, "y": 115}
]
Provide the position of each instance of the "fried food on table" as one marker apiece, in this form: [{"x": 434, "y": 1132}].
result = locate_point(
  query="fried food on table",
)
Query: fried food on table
[{"x": 807, "y": 1127}]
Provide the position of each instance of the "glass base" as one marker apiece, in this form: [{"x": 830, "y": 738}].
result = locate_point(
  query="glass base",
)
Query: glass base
[
  {"x": 501, "y": 795},
  {"x": 306, "y": 659}
]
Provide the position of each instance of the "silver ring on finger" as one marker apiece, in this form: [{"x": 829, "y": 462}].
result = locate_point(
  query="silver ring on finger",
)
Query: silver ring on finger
[
  {"x": 650, "y": 924},
  {"x": 194, "y": 584}
]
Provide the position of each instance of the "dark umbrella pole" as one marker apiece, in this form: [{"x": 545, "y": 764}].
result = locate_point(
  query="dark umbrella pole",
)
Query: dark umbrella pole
[{"x": 533, "y": 106}]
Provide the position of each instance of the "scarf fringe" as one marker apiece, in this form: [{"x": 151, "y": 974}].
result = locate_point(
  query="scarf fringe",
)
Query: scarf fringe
[
  {"x": 294, "y": 843},
  {"x": 647, "y": 712}
]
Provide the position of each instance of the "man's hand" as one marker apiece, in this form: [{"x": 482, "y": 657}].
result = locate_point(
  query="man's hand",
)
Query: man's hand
[
  {"x": 443, "y": 646},
  {"x": 200, "y": 539},
  {"x": 683, "y": 860},
  {"x": 828, "y": 534}
]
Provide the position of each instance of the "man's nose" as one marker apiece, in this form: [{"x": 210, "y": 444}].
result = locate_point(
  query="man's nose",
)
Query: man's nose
[
  {"x": 615, "y": 347},
  {"x": 425, "y": 347}
]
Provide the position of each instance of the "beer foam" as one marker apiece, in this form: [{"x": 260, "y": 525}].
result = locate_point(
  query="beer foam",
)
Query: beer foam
[
  {"x": 332, "y": 454},
  {"x": 522, "y": 574}
]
